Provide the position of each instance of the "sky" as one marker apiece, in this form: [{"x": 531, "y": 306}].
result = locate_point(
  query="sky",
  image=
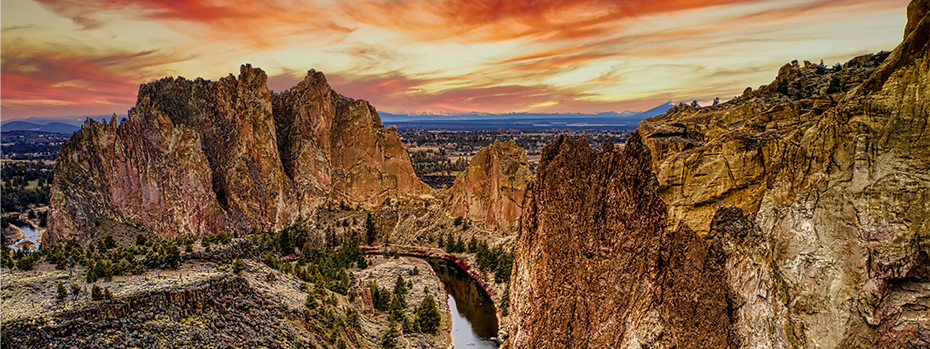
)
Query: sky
[{"x": 67, "y": 58}]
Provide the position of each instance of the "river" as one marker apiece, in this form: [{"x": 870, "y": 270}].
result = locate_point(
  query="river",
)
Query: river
[
  {"x": 474, "y": 320},
  {"x": 31, "y": 235}
]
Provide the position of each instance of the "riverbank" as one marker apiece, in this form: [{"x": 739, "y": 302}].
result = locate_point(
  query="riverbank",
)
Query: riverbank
[{"x": 466, "y": 261}]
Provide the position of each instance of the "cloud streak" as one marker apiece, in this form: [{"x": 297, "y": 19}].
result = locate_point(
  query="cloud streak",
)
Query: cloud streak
[
  {"x": 494, "y": 20},
  {"x": 61, "y": 79},
  {"x": 430, "y": 55},
  {"x": 263, "y": 24}
]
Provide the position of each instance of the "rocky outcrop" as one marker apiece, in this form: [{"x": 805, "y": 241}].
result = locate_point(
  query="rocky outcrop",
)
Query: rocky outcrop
[
  {"x": 224, "y": 311},
  {"x": 336, "y": 148},
  {"x": 595, "y": 266},
  {"x": 809, "y": 199},
  {"x": 723, "y": 155},
  {"x": 198, "y": 155},
  {"x": 490, "y": 191},
  {"x": 11, "y": 234}
]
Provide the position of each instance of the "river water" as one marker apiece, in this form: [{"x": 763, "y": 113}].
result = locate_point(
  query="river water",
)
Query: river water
[
  {"x": 474, "y": 320},
  {"x": 31, "y": 235}
]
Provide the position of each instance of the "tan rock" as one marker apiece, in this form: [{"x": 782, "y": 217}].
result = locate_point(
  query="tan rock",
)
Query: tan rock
[
  {"x": 490, "y": 191},
  {"x": 813, "y": 192}
]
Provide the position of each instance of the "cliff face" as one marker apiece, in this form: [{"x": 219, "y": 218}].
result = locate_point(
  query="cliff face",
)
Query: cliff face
[
  {"x": 337, "y": 148},
  {"x": 490, "y": 191},
  {"x": 199, "y": 155},
  {"x": 809, "y": 200},
  {"x": 595, "y": 266}
]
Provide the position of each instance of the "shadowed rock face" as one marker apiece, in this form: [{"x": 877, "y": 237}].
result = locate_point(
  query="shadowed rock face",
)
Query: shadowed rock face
[
  {"x": 595, "y": 266},
  {"x": 809, "y": 200},
  {"x": 490, "y": 191},
  {"x": 199, "y": 155}
]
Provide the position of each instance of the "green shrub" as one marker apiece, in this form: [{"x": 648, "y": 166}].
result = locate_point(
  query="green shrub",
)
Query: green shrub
[
  {"x": 75, "y": 290},
  {"x": 96, "y": 293},
  {"x": 62, "y": 292},
  {"x": 238, "y": 265}
]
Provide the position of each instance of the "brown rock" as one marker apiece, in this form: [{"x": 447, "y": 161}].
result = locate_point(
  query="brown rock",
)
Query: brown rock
[
  {"x": 12, "y": 233},
  {"x": 595, "y": 266},
  {"x": 812, "y": 195},
  {"x": 197, "y": 156},
  {"x": 490, "y": 191}
]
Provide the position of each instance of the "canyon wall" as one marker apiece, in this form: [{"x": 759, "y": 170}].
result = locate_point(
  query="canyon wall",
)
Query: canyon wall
[
  {"x": 800, "y": 212},
  {"x": 490, "y": 191},
  {"x": 198, "y": 155},
  {"x": 595, "y": 266}
]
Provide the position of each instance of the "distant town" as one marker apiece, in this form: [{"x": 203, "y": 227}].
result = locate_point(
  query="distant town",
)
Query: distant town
[{"x": 28, "y": 157}]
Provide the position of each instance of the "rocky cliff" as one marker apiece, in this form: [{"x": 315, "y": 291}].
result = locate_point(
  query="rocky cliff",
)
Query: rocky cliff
[
  {"x": 198, "y": 155},
  {"x": 490, "y": 191},
  {"x": 809, "y": 202},
  {"x": 595, "y": 266}
]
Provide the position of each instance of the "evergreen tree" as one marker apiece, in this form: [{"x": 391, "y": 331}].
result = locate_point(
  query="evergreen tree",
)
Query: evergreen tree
[
  {"x": 396, "y": 310},
  {"x": 450, "y": 243},
  {"x": 284, "y": 242},
  {"x": 389, "y": 337},
  {"x": 427, "y": 316},
  {"x": 91, "y": 276},
  {"x": 473, "y": 245},
  {"x": 96, "y": 293},
  {"x": 371, "y": 231},
  {"x": 400, "y": 286},
  {"x": 173, "y": 255},
  {"x": 62, "y": 292},
  {"x": 504, "y": 267}
]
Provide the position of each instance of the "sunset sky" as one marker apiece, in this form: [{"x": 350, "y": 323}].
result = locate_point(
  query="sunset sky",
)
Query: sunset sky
[{"x": 66, "y": 58}]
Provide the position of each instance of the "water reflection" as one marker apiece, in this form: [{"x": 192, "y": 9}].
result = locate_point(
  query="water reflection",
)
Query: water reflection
[
  {"x": 474, "y": 321},
  {"x": 30, "y": 235}
]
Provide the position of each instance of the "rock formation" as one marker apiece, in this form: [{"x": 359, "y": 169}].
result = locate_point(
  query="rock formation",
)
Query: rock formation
[
  {"x": 490, "y": 191},
  {"x": 199, "y": 155},
  {"x": 595, "y": 266},
  {"x": 809, "y": 200}
]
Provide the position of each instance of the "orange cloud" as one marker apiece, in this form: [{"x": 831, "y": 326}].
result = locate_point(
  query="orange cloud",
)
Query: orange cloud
[
  {"x": 263, "y": 23},
  {"x": 61, "y": 81},
  {"x": 398, "y": 93},
  {"x": 494, "y": 20}
]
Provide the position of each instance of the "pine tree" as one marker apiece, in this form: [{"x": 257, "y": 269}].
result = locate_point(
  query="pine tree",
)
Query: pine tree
[
  {"x": 428, "y": 315},
  {"x": 400, "y": 286},
  {"x": 504, "y": 267},
  {"x": 371, "y": 231},
  {"x": 96, "y": 293},
  {"x": 62, "y": 292},
  {"x": 389, "y": 337}
]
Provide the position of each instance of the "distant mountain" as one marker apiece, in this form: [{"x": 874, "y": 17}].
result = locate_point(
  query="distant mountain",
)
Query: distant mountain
[
  {"x": 58, "y": 127},
  {"x": 528, "y": 121}
]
